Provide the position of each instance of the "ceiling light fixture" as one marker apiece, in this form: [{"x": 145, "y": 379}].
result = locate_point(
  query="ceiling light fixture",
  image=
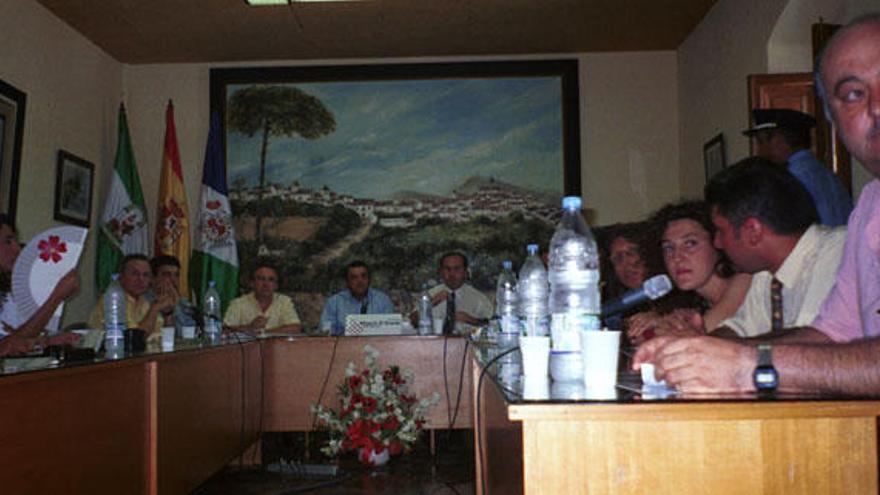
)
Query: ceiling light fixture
[{"x": 264, "y": 3}]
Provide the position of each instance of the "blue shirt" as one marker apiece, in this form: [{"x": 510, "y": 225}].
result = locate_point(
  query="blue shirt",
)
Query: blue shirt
[
  {"x": 832, "y": 201},
  {"x": 342, "y": 304}
]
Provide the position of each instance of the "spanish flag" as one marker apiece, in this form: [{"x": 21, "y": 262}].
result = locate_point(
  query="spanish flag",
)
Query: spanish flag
[{"x": 172, "y": 227}]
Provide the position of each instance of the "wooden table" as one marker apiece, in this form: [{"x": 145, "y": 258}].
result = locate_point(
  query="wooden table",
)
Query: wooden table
[
  {"x": 160, "y": 423},
  {"x": 165, "y": 422},
  {"x": 627, "y": 446},
  {"x": 297, "y": 370}
]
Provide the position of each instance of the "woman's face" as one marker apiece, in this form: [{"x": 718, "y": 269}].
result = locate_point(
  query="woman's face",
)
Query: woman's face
[
  {"x": 688, "y": 253},
  {"x": 628, "y": 264},
  {"x": 9, "y": 248}
]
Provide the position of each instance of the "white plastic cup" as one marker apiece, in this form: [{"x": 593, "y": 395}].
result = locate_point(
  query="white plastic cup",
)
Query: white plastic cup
[
  {"x": 438, "y": 326},
  {"x": 535, "y": 352},
  {"x": 167, "y": 338},
  {"x": 188, "y": 332},
  {"x": 536, "y": 387},
  {"x": 599, "y": 352}
]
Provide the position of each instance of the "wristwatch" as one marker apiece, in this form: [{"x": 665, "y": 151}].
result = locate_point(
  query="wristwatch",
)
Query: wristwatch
[{"x": 766, "y": 378}]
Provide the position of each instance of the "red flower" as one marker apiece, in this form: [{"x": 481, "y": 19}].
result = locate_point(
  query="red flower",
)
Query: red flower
[
  {"x": 395, "y": 448},
  {"x": 369, "y": 404},
  {"x": 391, "y": 424},
  {"x": 354, "y": 382},
  {"x": 52, "y": 249}
]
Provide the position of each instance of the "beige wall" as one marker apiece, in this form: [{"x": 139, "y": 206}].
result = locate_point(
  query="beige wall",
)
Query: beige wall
[
  {"x": 713, "y": 62},
  {"x": 73, "y": 91}
]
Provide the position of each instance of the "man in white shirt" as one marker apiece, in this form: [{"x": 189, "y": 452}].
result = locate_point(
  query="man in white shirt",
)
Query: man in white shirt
[
  {"x": 767, "y": 224},
  {"x": 461, "y": 306}
]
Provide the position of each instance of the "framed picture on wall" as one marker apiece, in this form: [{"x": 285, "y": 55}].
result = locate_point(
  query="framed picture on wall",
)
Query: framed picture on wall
[
  {"x": 714, "y": 158},
  {"x": 395, "y": 164},
  {"x": 12, "y": 107},
  {"x": 73, "y": 189}
]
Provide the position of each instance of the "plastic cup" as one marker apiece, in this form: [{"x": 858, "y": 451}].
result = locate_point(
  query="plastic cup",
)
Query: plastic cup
[
  {"x": 438, "y": 326},
  {"x": 599, "y": 352},
  {"x": 536, "y": 387},
  {"x": 188, "y": 332},
  {"x": 167, "y": 338},
  {"x": 535, "y": 352}
]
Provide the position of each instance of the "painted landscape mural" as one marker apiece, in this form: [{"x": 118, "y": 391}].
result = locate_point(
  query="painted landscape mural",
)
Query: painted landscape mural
[{"x": 393, "y": 173}]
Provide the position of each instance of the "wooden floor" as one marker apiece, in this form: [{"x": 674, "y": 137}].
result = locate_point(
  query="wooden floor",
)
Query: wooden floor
[{"x": 450, "y": 472}]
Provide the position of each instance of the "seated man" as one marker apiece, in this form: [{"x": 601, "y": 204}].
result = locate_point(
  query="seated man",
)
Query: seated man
[
  {"x": 135, "y": 277},
  {"x": 18, "y": 336},
  {"x": 358, "y": 298},
  {"x": 461, "y": 306},
  {"x": 767, "y": 225},
  {"x": 262, "y": 309},
  {"x": 166, "y": 280}
]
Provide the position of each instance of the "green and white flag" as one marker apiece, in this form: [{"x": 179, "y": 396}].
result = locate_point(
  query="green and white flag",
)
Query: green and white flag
[
  {"x": 123, "y": 229},
  {"x": 215, "y": 255}
]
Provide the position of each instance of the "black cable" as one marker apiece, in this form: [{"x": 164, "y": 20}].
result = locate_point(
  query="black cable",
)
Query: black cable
[
  {"x": 477, "y": 426},
  {"x": 326, "y": 379},
  {"x": 446, "y": 384},
  {"x": 262, "y": 396}
]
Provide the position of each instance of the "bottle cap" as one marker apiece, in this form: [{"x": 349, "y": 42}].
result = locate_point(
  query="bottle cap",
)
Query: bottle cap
[
  {"x": 114, "y": 276},
  {"x": 507, "y": 264},
  {"x": 532, "y": 249},
  {"x": 572, "y": 202}
]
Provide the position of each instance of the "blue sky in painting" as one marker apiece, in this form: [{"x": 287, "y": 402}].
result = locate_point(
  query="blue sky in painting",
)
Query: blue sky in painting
[{"x": 419, "y": 135}]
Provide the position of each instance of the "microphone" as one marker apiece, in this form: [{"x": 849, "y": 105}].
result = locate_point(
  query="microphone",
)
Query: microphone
[{"x": 653, "y": 288}]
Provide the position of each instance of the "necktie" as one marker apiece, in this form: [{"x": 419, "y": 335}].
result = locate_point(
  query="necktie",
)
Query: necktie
[
  {"x": 776, "y": 314},
  {"x": 364, "y": 307},
  {"x": 449, "y": 322}
]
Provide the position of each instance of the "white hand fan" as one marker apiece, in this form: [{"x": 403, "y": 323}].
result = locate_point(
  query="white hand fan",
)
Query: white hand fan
[{"x": 41, "y": 264}]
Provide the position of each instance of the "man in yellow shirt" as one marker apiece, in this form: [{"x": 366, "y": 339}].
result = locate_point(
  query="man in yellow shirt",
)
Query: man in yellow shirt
[
  {"x": 263, "y": 308},
  {"x": 135, "y": 277}
]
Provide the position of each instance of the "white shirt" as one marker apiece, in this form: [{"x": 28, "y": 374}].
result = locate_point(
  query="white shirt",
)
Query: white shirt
[
  {"x": 467, "y": 299},
  {"x": 9, "y": 316},
  {"x": 807, "y": 276}
]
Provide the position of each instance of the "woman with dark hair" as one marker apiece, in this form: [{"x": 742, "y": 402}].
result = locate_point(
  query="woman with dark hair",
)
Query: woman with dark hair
[
  {"x": 685, "y": 234},
  {"x": 18, "y": 336}
]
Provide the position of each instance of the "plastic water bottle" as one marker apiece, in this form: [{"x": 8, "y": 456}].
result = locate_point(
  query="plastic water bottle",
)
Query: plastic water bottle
[
  {"x": 425, "y": 317},
  {"x": 114, "y": 319},
  {"x": 506, "y": 299},
  {"x": 534, "y": 292},
  {"x": 211, "y": 312},
  {"x": 574, "y": 278}
]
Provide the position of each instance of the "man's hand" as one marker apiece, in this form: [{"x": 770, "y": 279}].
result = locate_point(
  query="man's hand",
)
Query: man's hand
[
  {"x": 258, "y": 323},
  {"x": 439, "y": 297},
  {"x": 468, "y": 319},
  {"x": 13, "y": 345},
  {"x": 641, "y": 326},
  {"x": 700, "y": 364}
]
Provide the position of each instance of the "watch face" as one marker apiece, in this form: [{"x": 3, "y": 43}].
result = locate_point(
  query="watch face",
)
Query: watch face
[{"x": 766, "y": 378}]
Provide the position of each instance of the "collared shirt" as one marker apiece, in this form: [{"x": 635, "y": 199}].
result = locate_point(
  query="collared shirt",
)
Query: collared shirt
[
  {"x": 135, "y": 311},
  {"x": 807, "y": 275},
  {"x": 832, "y": 201},
  {"x": 851, "y": 310},
  {"x": 244, "y": 309},
  {"x": 185, "y": 312},
  {"x": 467, "y": 299},
  {"x": 342, "y": 304}
]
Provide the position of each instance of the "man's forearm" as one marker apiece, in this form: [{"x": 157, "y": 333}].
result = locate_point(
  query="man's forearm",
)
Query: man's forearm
[{"x": 850, "y": 368}]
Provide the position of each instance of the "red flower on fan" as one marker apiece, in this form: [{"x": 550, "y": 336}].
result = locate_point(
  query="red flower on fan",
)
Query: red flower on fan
[{"x": 52, "y": 249}]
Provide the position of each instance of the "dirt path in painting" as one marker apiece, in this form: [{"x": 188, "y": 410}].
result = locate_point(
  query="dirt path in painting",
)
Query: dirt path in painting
[{"x": 339, "y": 248}]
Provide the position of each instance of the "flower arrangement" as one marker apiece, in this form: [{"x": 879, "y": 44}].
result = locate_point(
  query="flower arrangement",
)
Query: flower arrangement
[{"x": 376, "y": 411}]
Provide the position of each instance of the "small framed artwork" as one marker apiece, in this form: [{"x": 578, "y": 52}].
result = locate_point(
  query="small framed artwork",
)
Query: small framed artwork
[
  {"x": 73, "y": 189},
  {"x": 714, "y": 158}
]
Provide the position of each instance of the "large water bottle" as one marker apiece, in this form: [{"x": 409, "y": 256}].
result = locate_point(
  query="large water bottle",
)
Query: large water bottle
[
  {"x": 534, "y": 292},
  {"x": 114, "y": 319},
  {"x": 574, "y": 278},
  {"x": 425, "y": 317},
  {"x": 211, "y": 313},
  {"x": 507, "y": 300}
]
